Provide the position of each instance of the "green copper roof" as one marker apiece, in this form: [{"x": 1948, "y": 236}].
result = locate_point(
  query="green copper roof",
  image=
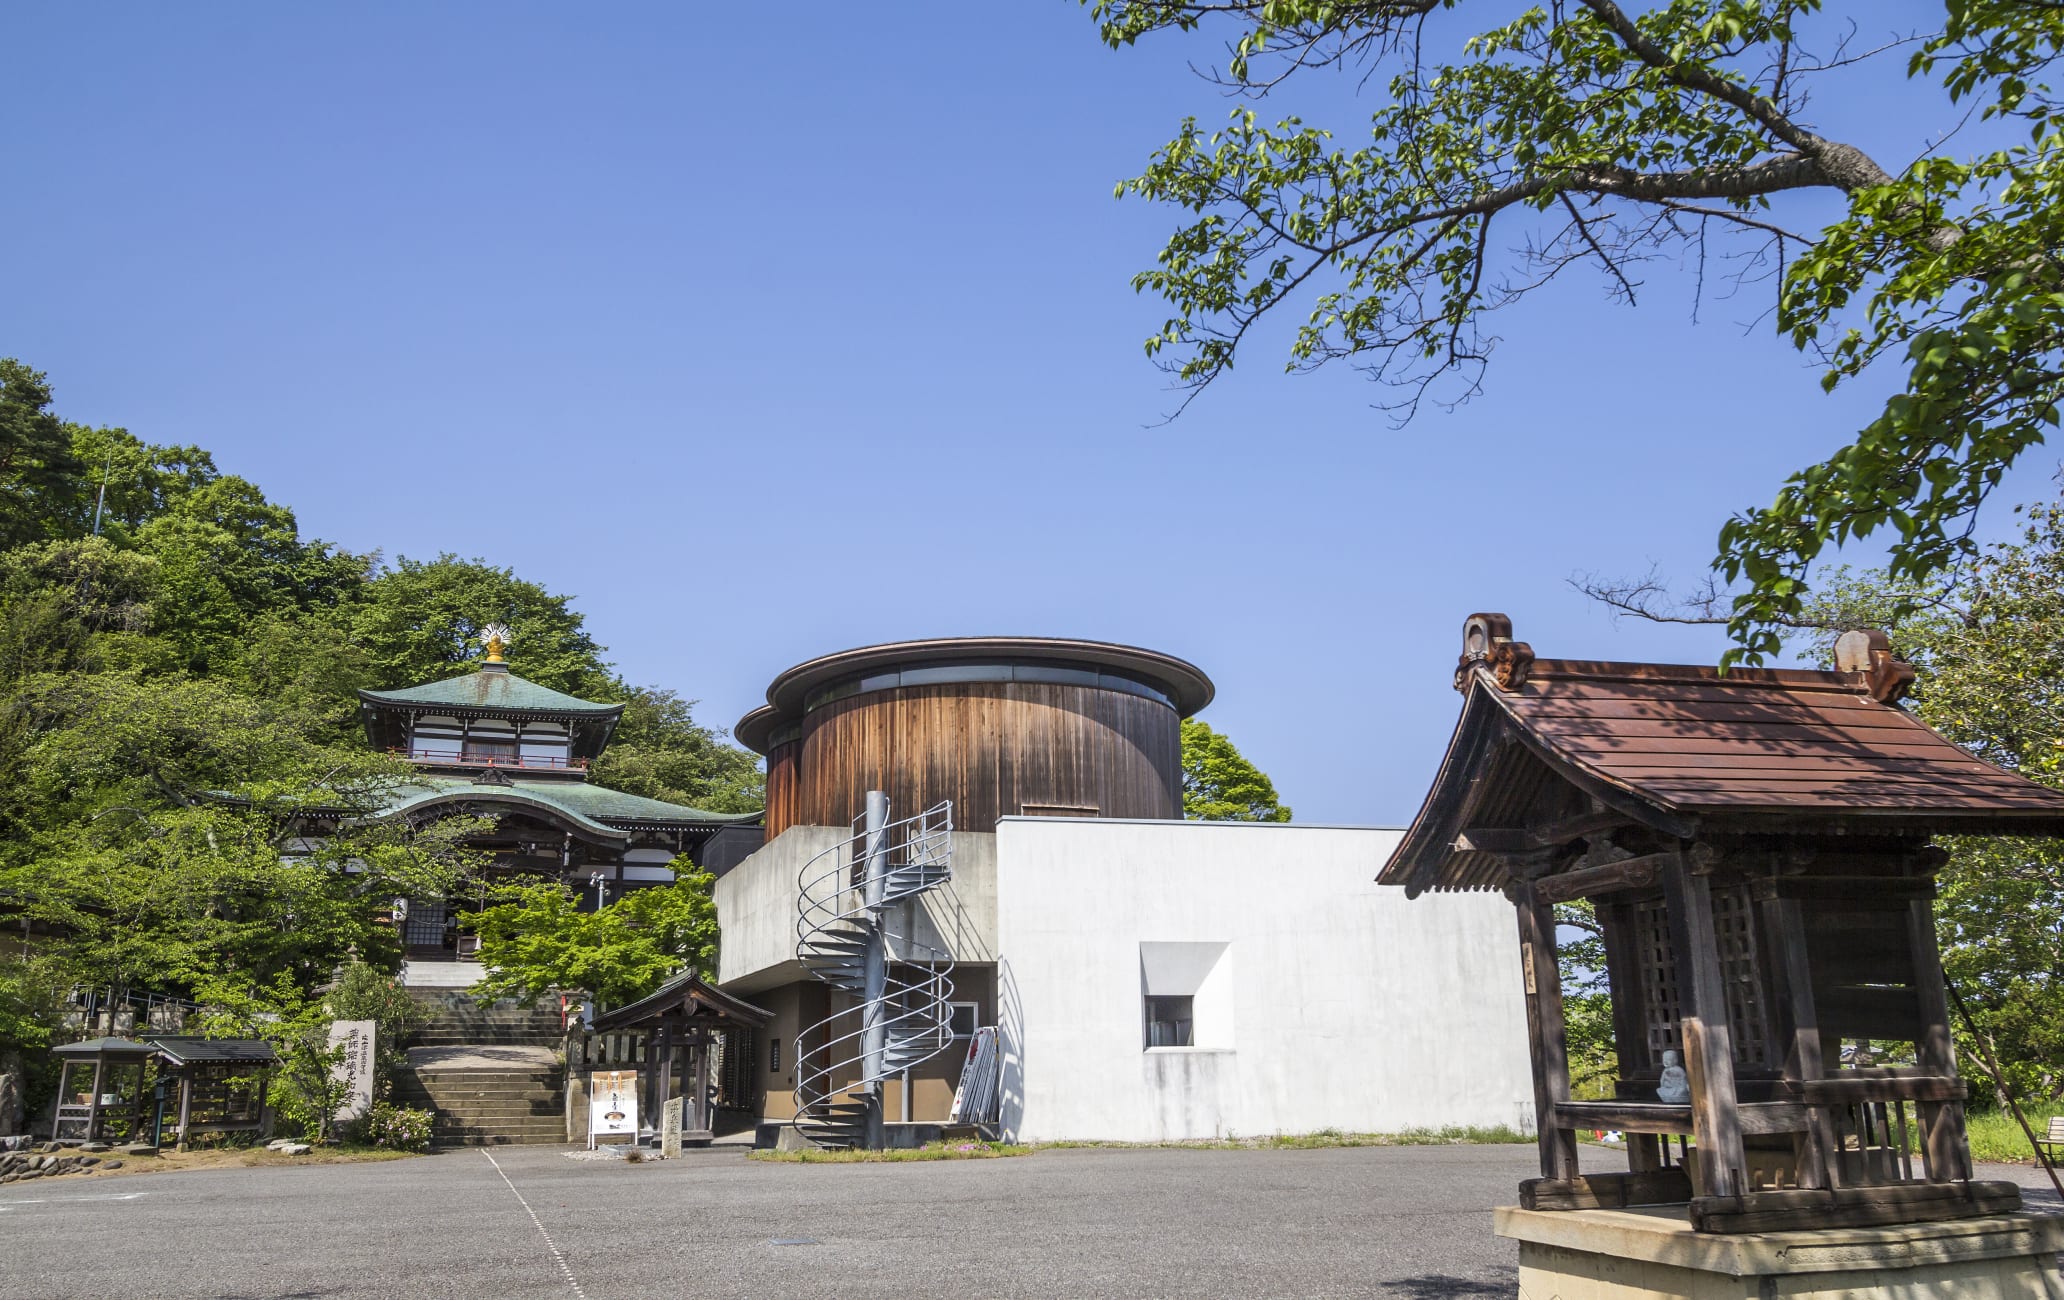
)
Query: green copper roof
[
  {"x": 494, "y": 690},
  {"x": 591, "y": 808}
]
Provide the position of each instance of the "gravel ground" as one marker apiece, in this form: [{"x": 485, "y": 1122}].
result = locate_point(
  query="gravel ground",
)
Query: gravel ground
[{"x": 1408, "y": 1222}]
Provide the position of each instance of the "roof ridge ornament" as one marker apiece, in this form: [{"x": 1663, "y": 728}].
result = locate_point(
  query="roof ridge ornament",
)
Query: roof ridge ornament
[
  {"x": 1487, "y": 643},
  {"x": 495, "y": 636},
  {"x": 1866, "y": 654}
]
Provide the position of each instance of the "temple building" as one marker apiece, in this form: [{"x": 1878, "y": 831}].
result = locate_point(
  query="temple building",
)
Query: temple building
[
  {"x": 491, "y": 744},
  {"x": 978, "y": 902}
]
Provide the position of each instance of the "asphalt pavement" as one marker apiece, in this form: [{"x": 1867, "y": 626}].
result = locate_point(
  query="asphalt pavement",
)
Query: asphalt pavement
[
  {"x": 531, "y": 1222},
  {"x": 1400, "y": 1222}
]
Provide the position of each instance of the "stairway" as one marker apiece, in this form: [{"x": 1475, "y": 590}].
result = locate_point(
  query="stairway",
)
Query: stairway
[
  {"x": 491, "y": 1074},
  {"x": 845, "y": 896},
  {"x": 456, "y": 1019},
  {"x": 491, "y": 1105}
]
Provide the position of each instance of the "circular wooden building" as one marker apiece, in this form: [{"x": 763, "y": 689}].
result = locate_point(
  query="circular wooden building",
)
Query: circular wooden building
[{"x": 998, "y": 725}]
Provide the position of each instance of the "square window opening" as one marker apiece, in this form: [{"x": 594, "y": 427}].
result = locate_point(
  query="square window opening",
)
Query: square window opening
[
  {"x": 1171, "y": 1021},
  {"x": 966, "y": 1017}
]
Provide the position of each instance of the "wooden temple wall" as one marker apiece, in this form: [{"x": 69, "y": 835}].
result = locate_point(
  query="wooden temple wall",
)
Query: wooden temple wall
[{"x": 995, "y": 749}]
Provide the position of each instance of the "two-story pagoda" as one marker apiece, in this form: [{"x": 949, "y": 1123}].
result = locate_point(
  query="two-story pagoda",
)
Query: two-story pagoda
[{"x": 491, "y": 744}]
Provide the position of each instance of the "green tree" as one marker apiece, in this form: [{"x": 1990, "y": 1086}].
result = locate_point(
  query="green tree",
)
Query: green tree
[
  {"x": 1988, "y": 651},
  {"x": 1586, "y": 1000},
  {"x": 178, "y": 705},
  {"x": 1580, "y": 133},
  {"x": 150, "y": 832},
  {"x": 539, "y": 940},
  {"x": 1219, "y": 784},
  {"x": 421, "y": 620},
  {"x": 661, "y": 752},
  {"x": 39, "y": 475}
]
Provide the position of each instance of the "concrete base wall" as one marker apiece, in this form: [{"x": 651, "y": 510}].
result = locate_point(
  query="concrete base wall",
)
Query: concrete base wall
[
  {"x": 756, "y": 906},
  {"x": 1321, "y": 1000},
  {"x": 1649, "y": 1255}
]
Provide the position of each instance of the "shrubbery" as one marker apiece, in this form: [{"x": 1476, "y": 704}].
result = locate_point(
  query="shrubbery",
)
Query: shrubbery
[{"x": 397, "y": 1128}]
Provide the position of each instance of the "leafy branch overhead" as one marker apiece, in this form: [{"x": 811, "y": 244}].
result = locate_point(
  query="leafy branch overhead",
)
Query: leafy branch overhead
[{"x": 1588, "y": 133}]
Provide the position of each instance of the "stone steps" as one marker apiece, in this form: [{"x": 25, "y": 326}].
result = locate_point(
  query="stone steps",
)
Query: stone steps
[
  {"x": 479, "y": 1104},
  {"x": 477, "y": 1138}
]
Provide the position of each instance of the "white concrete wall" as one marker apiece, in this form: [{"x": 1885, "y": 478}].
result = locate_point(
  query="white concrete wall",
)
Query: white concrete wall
[
  {"x": 1350, "y": 1007},
  {"x": 756, "y": 909}
]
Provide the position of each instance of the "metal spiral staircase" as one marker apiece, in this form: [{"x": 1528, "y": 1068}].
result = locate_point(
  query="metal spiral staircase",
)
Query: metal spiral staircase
[{"x": 900, "y": 1016}]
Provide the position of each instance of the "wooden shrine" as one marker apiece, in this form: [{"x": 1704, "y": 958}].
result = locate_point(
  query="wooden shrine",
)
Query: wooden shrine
[
  {"x": 212, "y": 1085},
  {"x": 100, "y": 1091},
  {"x": 1757, "y": 849},
  {"x": 680, "y": 1022}
]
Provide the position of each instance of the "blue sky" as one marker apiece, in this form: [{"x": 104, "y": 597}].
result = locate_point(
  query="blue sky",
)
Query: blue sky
[{"x": 768, "y": 343}]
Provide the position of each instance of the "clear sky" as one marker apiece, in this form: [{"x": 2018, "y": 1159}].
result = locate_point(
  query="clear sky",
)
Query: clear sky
[{"x": 769, "y": 338}]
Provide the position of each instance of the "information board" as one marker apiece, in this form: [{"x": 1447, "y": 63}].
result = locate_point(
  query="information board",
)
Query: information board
[
  {"x": 355, "y": 1070},
  {"x": 612, "y": 1104}
]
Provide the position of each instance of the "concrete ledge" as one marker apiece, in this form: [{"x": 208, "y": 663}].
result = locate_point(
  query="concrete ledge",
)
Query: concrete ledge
[{"x": 1663, "y": 1235}]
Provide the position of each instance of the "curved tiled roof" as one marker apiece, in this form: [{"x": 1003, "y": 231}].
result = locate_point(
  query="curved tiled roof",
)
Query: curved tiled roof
[
  {"x": 602, "y": 813},
  {"x": 1686, "y": 749},
  {"x": 492, "y": 690}
]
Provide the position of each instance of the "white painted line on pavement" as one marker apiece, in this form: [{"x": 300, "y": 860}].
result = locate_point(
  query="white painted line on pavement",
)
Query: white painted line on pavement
[
  {"x": 51, "y": 1200},
  {"x": 561, "y": 1259}
]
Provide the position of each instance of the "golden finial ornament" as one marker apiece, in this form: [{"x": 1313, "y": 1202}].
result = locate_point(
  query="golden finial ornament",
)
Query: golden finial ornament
[{"x": 496, "y": 637}]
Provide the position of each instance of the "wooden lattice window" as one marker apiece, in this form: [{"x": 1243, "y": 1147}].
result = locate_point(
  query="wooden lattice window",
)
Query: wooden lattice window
[
  {"x": 736, "y": 1068},
  {"x": 1734, "y": 931},
  {"x": 1659, "y": 1005}
]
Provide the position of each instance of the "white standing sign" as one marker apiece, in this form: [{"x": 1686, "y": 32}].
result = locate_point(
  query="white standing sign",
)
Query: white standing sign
[
  {"x": 612, "y": 1104},
  {"x": 355, "y": 1071}
]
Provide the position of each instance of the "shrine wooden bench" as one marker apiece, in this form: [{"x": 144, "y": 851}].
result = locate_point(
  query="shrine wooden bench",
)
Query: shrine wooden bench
[{"x": 2050, "y": 1141}]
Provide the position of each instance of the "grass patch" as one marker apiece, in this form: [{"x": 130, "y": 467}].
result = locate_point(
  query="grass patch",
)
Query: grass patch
[
  {"x": 1412, "y": 1137},
  {"x": 1997, "y": 1138},
  {"x": 929, "y": 1151},
  {"x": 169, "y": 1161},
  {"x": 1469, "y": 1135}
]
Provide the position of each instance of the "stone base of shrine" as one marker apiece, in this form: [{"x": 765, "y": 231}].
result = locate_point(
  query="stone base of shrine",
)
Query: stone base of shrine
[{"x": 1637, "y": 1254}]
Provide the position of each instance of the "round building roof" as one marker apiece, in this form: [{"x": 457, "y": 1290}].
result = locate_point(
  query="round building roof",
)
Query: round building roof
[{"x": 1180, "y": 683}]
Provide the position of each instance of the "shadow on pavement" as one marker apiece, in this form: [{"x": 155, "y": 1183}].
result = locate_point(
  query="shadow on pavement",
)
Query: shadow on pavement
[{"x": 1439, "y": 1286}]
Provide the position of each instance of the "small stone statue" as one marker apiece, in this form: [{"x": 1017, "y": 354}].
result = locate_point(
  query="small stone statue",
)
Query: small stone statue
[{"x": 1674, "y": 1088}]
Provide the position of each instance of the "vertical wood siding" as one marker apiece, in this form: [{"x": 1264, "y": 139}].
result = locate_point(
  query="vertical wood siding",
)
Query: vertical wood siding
[
  {"x": 784, "y": 805},
  {"x": 993, "y": 748}
]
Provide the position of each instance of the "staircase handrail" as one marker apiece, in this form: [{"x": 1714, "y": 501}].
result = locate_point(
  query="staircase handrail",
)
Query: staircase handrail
[{"x": 835, "y": 924}]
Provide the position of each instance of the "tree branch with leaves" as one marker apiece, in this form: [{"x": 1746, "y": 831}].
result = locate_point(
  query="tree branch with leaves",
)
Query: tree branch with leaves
[{"x": 1586, "y": 133}]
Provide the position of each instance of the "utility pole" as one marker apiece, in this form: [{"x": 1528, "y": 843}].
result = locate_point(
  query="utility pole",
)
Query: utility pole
[{"x": 106, "y": 472}]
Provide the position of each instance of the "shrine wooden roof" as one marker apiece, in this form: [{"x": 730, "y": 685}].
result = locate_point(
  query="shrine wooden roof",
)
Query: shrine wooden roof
[
  {"x": 686, "y": 995},
  {"x": 180, "y": 1049},
  {"x": 1685, "y": 749}
]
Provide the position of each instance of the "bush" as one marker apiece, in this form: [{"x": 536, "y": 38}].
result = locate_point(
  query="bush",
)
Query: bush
[
  {"x": 362, "y": 992},
  {"x": 397, "y": 1128}
]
